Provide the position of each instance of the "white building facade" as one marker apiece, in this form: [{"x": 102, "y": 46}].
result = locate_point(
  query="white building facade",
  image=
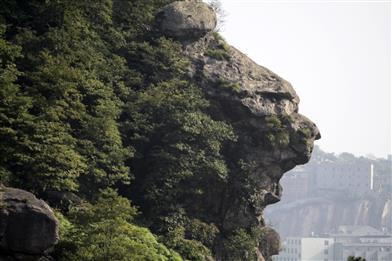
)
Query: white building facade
[
  {"x": 356, "y": 241},
  {"x": 376, "y": 251},
  {"x": 307, "y": 249}
]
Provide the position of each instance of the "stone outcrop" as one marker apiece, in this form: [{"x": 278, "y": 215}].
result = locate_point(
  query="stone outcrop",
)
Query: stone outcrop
[
  {"x": 261, "y": 106},
  {"x": 28, "y": 227},
  {"x": 186, "y": 20},
  {"x": 263, "y": 109}
]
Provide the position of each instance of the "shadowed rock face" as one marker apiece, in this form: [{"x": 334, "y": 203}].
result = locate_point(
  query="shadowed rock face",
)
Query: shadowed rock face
[
  {"x": 263, "y": 109},
  {"x": 28, "y": 226}
]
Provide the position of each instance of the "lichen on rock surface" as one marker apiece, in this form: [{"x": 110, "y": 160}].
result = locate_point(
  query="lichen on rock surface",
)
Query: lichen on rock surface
[{"x": 263, "y": 110}]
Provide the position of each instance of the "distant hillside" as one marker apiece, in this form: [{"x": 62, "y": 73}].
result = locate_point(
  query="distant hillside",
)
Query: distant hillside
[{"x": 333, "y": 190}]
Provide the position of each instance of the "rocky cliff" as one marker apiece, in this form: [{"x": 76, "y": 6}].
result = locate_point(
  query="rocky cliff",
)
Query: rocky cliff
[
  {"x": 112, "y": 102},
  {"x": 261, "y": 106}
]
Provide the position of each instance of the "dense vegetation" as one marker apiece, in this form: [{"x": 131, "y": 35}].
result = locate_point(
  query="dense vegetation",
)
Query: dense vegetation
[{"x": 94, "y": 101}]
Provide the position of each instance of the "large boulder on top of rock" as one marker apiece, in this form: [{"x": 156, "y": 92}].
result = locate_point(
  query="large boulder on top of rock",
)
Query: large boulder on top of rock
[
  {"x": 186, "y": 20},
  {"x": 27, "y": 224}
]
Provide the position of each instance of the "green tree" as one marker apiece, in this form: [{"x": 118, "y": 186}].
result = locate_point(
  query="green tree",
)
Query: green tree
[
  {"x": 240, "y": 245},
  {"x": 178, "y": 146},
  {"x": 14, "y": 105},
  {"x": 75, "y": 84},
  {"x": 103, "y": 231},
  {"x": 189, "y": 249}
]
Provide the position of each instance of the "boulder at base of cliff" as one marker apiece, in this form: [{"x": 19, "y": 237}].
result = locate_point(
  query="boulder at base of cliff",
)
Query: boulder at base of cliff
[{"x": 28, "y": 226}]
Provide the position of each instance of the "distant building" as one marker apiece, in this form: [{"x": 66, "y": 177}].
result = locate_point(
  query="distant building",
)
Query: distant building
[
  {"x": 296, "y": 184},
  {"x": 355, "y": 178},
  {"x": 307, "y": 249},
  {"x": 325, "y": 173},
  {"x": 357, "y": 231},
  {"x": 363, "y": 241},
  {"x": 371, "y": 251}
]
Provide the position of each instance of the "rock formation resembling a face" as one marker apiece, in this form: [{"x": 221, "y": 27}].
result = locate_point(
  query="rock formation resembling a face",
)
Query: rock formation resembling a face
[{"x": 262, "y": 108}]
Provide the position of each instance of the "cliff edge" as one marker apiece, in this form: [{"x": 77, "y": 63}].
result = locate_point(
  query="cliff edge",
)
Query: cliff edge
[{"x": 261, "y": 106}]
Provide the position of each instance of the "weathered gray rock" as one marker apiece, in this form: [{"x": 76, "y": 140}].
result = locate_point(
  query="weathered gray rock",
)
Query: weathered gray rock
[
  {"x": 248, "y": 96},
  {"x": 27, "y": 224},
  {"x": 186, "y": 20},
  {"x": 263, "y": 110},
  {"x": 260, "y": 90}
]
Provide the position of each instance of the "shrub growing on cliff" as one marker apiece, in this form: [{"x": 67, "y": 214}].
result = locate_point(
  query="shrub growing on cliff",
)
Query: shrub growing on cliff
[
  {"x": 276, "y": 135},
  {"x": 219, "y": 49},
  {"x": 103, "y": 231},
  {"x": 240, "y": 245},
  {"x": 225, "y": 84},
  {"x": 189, "y": 249},
  {"x": 218, "y": 54}
]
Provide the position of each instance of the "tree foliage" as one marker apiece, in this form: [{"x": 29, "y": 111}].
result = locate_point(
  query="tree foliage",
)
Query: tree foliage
[
  {"x": 104, "y": 231},
  {"x": 91, "y": 98}
]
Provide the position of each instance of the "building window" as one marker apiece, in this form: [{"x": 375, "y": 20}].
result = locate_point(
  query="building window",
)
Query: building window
[
  {"x": 326, "y": 243},
  {"x": 326, "y": 251}
]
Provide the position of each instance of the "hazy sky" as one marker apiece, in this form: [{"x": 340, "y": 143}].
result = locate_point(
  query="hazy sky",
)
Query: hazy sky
[{"x": 336, "y": 54}]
